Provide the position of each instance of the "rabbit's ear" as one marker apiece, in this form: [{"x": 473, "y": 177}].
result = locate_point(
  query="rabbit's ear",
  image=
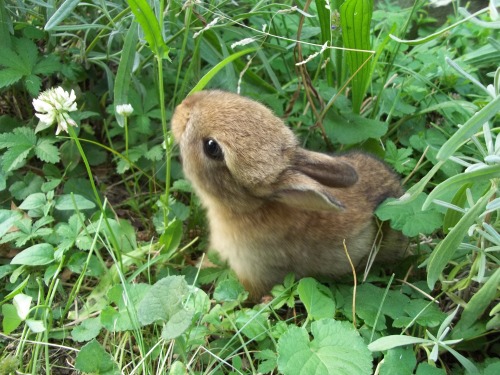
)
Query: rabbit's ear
[
  {"x": 327, "y": 170},
  {"x": 299, "y": 190}
]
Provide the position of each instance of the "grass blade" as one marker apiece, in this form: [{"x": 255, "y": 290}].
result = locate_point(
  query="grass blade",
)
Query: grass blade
[
  {"x": 149, "y": 24},
  {"x": 212, "y": 72},
  {"x": 60, "y": 15}
]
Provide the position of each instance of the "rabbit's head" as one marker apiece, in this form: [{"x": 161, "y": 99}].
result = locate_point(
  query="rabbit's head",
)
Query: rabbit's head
[{"x": 236, "y": 151}]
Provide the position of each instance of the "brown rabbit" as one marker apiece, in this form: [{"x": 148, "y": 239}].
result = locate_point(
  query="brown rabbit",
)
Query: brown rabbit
[{"x": 274, "y": 207}]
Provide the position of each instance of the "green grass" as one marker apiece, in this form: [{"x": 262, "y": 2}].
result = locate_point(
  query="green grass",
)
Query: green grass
[{"x": 103, "y": 245}]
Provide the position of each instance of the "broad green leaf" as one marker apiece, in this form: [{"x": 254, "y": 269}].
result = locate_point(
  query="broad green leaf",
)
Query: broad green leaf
[
  {"x": 89, "y": 329},
  {"x": 36, "y": 255},
  {"x": 47, "y": 65},
  {"x": 33, "y": 201},
  {"x": 15, "y": 157},
  {"x": 92, "y": 358},
  {"x": 36, "y": 326},
  {"x": 409, "y": 217},
  {"x": 336, "y": 348},
  {"x": 228, "y": 290},
  {"x": 151, "y": 27},
  {"x": 177, "y": 324},
  {"x": 444, "y": 251},
  {"x": 22, "y": 303},
  {"x": 68, "y": 202},
  {"x": 399, "y": 361},
  {"x": 33, "y": 84},
  {"x": 11, "y": 319},
  {"x": 355, "y": 19},
  {"x": 5, "y": 25},
  {"x": 163, "y": 300},
  {"x": 28, "y": 52},
  {"x": 7, "y": 220},
  {"x": 254, "y": 324},
  {"x": 425, "y": 368},
  {"x": 212, "y": 72},
  {"x": 61, "y": 13},
  {"x": 317, "y": 299},
  {"x": 350, "y": 128}
]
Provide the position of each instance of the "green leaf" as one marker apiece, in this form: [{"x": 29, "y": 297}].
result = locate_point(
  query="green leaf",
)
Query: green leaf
[
  {"x": 89, "y": 329},
  {"x": 36, "y": 326},
  {"x": 171, "y": 238},
  {"x": 92, "y": 358},
  {"x": 10, "y": 59},
  {"x": 212, "y": 72},
  {"x": 46, "y": 151},
  {"x": 336, "y": 348},
  {"x": 399, "y": 158},
  {"x": 7, "y": 220},
  {"x": 228, "y": 290},
  {"x": 409, "y": 217},
  {"x": 355, "y": 19},
  {"x": 28, "y": 52},
  {"x": 36, "y": 255},
  {"x": 483, "y": 174},
  {"x": 124, "y": 72},
  {"x": 164, "y": 302},
  {"x": 11, "y": 319},
  {"x": 9, "y": 76},
  {"x": 254, "y": 324},
  {"x": 33, "y": 84},
  {"x": 479, "y": 302},
  {"x": 151, "y": 27},
  {"x": 399, "y": 361},
  {"x": 60, "y": 14},
  {"x": 469, "y": 129},
  {"x": 47, "y": 65},
  {"x": 445, "y": 250},
  {"x": 393, "y": 341},
  {"x": 425, "y": 368},
  {"x": 69, "y": 202},
  {"x": 350, "y": 128},
  {"x": 33, "y": 201},
  {"x": 15, "y": 157},
  {"x": 317, "y": 299},
  {"x": 22, "y": 303}
]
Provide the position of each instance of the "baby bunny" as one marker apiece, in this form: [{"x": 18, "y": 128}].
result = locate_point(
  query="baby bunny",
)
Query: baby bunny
[{"x": 274, "y": 207}]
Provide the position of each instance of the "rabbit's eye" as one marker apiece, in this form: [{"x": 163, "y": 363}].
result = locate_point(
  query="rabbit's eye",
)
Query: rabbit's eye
[{"x": 212, "y": 149}]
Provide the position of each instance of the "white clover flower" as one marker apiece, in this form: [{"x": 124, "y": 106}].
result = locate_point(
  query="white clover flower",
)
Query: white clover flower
[
  {"x": 53, "y": 106},
  {"x": 124, "y": 110}
]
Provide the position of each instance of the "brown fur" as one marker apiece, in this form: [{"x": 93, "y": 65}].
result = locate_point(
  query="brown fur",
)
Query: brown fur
[{"x": 273, "y": 207}]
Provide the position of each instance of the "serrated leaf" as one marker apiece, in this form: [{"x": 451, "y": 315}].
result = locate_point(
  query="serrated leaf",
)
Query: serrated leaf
[
  {"x": 336, "y": 348},
  {"x": 47, "y": 65},
  {"x": 410, "y": 217},
  {"x": 93, "y": 359},
  {"x": 15, "y": 157},
  {"x": 33, "y": 84},
  {"x": 46, "y": 151},
  {"x": 27, "y": 51},
  {"x": 156, "y": 153},
  {"x": 177, "y": 324},
  {"x": 10, "y": 59},
  {"x": 9, "y": 76},
  {"x": 36, "y": 255},
  {"x": 72, "y": 202}
]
